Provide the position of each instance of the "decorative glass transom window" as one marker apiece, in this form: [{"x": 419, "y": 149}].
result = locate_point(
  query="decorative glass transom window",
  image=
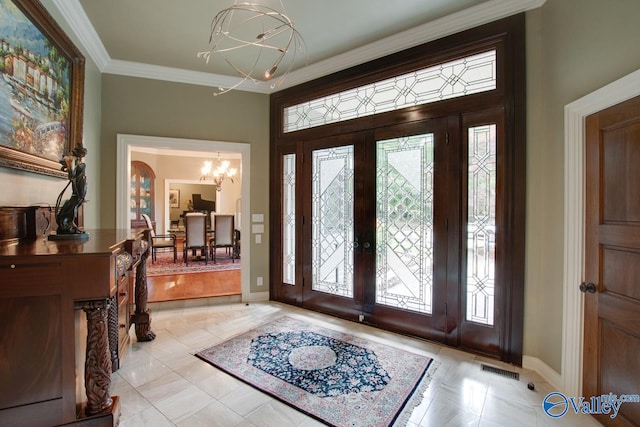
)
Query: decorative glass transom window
[{"x": 466, "y": 76}]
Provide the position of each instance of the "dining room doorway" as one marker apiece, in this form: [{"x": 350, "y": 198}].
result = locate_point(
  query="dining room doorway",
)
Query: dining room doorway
[{"x": 168, "y": 146}]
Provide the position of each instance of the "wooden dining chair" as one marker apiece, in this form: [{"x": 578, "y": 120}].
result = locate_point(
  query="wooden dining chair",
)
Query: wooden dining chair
[
  {"x": 195, "y": 231},
  {"x": 161, "y": 242},
  {"x": 223, "y": 236}
]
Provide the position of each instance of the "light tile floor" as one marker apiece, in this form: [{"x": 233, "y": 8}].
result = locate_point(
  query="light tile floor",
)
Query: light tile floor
[{"x": 162, "y": 383}]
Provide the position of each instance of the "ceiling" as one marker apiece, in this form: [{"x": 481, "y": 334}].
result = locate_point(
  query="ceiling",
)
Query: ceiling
[{"x": 160, "y": 38}]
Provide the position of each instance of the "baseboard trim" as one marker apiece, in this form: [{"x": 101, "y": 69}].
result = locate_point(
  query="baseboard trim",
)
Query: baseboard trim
[
  {"x": 546, "y": 372},
  {"x": 256, "y": 297},
  {"x": 193, "y": 302}
]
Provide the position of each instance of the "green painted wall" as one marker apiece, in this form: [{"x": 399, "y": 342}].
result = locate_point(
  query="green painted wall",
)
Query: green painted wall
[
  {"x": 573, "y": 48},
  {"x": 164, "y": 109}
]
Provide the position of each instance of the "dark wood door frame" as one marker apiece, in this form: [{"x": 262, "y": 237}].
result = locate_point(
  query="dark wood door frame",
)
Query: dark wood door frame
[{"x": 507, "y": 37}]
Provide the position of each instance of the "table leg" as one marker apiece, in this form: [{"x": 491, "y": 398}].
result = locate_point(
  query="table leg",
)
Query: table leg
[
  {"x": 142, "y": 316},
  {"x": 97, "y": 371}
]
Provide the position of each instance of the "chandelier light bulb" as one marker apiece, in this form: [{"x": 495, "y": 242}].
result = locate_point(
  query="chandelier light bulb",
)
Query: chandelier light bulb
[
  {"x": 218, "y": 174},
  {"x": 269, "y": 73},
  {"x": 206, "y": 168}
]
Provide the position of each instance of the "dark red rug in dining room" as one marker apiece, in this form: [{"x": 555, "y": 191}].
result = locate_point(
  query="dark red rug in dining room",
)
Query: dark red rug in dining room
[{"x": 164, "y": 265}]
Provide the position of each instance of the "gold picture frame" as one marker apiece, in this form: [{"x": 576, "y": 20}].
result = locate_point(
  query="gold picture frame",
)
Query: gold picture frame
[{"x": 41, "y": 87}]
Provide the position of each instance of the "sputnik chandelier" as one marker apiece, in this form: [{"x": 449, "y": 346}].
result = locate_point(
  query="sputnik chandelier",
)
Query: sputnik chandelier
[
  {"x": 257, "y": 35},
  {"x": 219, "y": 174}
]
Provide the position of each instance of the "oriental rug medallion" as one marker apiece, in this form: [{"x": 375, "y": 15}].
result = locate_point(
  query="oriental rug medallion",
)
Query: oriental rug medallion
[{"x": 334, "y": 377}]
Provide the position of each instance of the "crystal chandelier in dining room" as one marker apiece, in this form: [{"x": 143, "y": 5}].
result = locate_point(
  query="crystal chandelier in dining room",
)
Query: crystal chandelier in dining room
[
  {"x": 257, "y": 42},
  {"x": 221, "y": 172}
]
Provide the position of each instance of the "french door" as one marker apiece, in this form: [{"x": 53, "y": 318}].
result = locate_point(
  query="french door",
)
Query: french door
[
  {"x": 372, "y": 227},
  {"x": 330, "y": 245},
  {"x": 406, "y": 205},
  {"x": 396, "y": 227}
]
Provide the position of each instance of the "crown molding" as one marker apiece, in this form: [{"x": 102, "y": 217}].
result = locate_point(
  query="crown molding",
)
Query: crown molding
[
  {"x": 81, "y": 27},
  {"x": 483, "y": 13},
  {"x": 178, "y": 75}
]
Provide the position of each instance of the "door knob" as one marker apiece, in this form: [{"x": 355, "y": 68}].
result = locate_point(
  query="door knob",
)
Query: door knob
[{"x": 588, "y": 287}]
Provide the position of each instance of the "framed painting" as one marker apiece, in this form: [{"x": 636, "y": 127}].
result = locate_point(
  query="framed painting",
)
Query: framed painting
[
  {"x": 41, "y": 89},
  {"x": 174, "y": 198}
]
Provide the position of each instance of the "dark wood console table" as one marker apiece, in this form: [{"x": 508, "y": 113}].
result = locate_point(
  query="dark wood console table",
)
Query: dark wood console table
[{"x": 65, "y": 312}]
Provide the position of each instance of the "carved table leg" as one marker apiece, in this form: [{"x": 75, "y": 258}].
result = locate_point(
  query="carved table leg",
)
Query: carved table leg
[
  {"x": 113, "y": 333},
  {"x": 97, "y": 370},
  {"x": 142, "y": 317}
]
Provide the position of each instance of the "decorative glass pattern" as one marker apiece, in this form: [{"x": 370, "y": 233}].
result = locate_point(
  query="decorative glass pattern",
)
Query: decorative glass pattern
[
  {"x": 404, "y": 222},
  {"x": 473, "y": 74},
  {"x": 289, "y": 219},
  {"x": 145, "y": 193},
  {"x": 332, "y": 221},
  {"x": 481, "y": 224},
  {"x": 140, "y": 193}
]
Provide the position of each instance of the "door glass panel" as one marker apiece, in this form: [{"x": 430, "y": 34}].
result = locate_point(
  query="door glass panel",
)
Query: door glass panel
[
  {"x": 404, "y": 222},
  {"x": 289, "y": 218},
  {"x": 332, "y": 220},
  {"x": 481, "y": 224}
]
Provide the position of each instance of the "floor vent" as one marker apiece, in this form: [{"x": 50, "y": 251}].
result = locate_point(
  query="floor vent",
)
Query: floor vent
[{"x": 503, "y": 372}]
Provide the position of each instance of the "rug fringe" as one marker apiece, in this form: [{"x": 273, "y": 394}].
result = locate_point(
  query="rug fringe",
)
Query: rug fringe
[{"x": 417, "y": 396}]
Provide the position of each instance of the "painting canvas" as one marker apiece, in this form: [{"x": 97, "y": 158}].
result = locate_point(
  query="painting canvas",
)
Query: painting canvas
[
  {"x": 39, "y": 110},
  {"x": 174, "y": 198}
]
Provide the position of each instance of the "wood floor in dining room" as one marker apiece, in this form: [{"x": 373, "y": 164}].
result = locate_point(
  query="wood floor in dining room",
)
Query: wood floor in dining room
[{"x": 176, "y": 287}]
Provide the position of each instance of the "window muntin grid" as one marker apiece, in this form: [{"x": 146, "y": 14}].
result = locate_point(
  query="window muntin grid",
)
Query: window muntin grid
[
  {"x": 481, "y": 224},
  {"x": 332, "y": 220},
  {"x": 404, "y": 223},
  {"x": 466, "y": 76},
  {"x": 289, "y": 219}
]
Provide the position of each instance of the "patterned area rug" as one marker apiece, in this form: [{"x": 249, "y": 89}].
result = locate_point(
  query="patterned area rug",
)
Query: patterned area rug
[
  {"x": 337, "y": 378},
  {"x": 164, "y": 265}
]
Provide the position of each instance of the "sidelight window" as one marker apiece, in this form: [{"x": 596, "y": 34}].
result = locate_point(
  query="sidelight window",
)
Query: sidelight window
[
  {"x": 481, "y": 224},
  {"x": 289, "y": 219}
]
